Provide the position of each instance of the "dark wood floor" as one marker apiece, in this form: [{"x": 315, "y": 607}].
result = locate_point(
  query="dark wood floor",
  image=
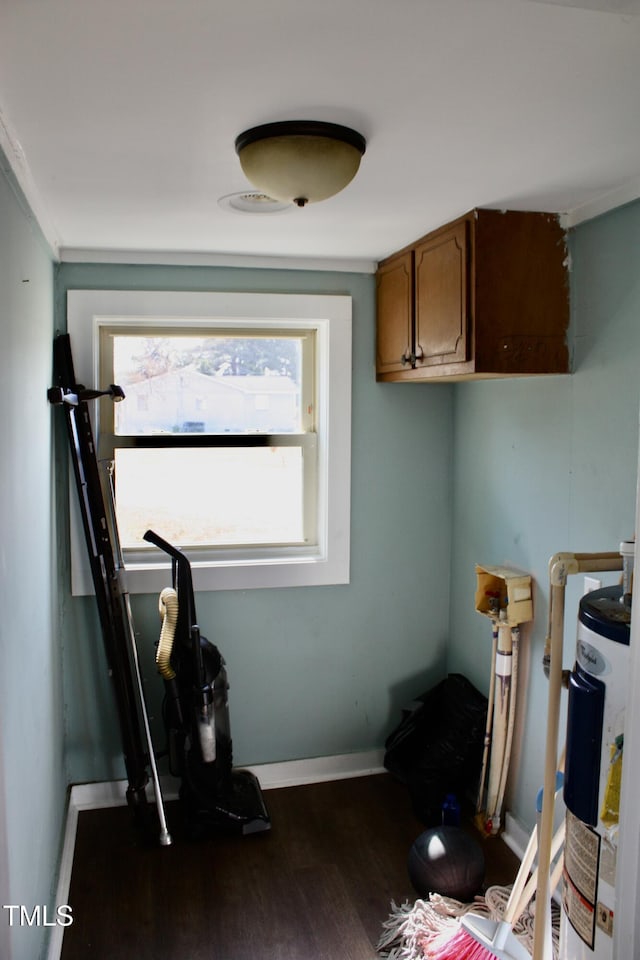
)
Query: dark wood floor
[{"x": 317, "y": 886}]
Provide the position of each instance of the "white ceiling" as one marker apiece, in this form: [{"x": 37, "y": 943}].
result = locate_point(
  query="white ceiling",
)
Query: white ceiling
[{"x": 119, "y": 116}]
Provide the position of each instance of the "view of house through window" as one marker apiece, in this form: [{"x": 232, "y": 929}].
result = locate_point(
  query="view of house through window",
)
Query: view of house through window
[{"x": 214, "y": 444}]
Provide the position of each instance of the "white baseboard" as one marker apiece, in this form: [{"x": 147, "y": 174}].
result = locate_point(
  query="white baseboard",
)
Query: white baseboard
[
  {"x": 96, "y": 796},
  {"x": 294, "y": 773},
  {"x": 64, "y": 876},
  {"x": 289, "y": 773},
  {"x": 515, "y": 836}
]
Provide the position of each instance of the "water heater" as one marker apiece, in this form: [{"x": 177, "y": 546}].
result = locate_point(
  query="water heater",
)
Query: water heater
[{"x": 595, "y": 739}]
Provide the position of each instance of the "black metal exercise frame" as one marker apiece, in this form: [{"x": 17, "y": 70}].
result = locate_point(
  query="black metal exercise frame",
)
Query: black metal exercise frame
[{"x": 109, "y": 584}]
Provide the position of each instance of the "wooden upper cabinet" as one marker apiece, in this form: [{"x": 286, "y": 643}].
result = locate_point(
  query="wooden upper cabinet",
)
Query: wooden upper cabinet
[
  {"x": 484, "y": 296},
  {"x": 394, "y": 297},
  {"x": 440, "y": 304}
]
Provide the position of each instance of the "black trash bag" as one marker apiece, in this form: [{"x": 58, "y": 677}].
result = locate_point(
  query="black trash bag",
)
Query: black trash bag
[{"x": 437, "y": 747}]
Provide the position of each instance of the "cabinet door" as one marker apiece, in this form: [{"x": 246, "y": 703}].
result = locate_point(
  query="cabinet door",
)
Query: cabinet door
[
  {"x": 394, "y": 308},
  {"x": 441, "y": 297}
]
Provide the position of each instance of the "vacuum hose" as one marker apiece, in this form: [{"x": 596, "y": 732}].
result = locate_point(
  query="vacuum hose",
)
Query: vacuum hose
[{"x": 168, "y": 606}]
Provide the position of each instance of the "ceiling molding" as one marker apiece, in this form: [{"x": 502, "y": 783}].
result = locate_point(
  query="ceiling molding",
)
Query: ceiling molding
[
  {"x": 623, "y": 7},
  {"x": 15, "y": 157},
  {"x": 197, "y": 259},
  {"x": 603, "y": 204}
]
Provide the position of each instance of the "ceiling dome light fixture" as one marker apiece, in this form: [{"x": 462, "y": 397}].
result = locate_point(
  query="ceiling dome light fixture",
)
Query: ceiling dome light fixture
[{"x": 300, "y": 161}]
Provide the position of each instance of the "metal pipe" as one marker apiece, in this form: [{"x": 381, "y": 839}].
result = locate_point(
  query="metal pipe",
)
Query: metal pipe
[
  {"x": 563, "y": 565},
  {"x": 515, "y": 646},
  {"x": 550, "y": 767},
  {"x": 489, "y": 723},
  {"x": 165, "y": 836},
  {"x": 502, "y": 700}
]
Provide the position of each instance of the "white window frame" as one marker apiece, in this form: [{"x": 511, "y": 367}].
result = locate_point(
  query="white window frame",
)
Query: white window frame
[
  {"x": 325, "y": 563},
  {"x": 305, "y": 437}
]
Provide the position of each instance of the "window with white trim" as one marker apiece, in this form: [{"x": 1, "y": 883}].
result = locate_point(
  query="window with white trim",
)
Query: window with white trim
[{"x": 233, "y": 440}]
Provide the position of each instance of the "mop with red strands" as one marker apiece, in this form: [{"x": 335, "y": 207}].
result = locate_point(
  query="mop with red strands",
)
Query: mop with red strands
[{"x": 482, "y": 938}]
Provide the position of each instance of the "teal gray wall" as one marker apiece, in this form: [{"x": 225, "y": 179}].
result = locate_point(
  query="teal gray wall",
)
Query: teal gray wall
[
  {"x": 547, "y": 465},
  {"x": 313, "y": 671},
  {"x": 32, "y": 776}
]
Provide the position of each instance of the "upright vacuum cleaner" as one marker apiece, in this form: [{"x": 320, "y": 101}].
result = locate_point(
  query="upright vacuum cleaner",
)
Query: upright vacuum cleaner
[{"x": 196, "y": 715}]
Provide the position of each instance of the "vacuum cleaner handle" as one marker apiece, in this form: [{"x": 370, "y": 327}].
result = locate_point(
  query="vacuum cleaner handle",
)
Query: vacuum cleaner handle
[
  {"x": 185, "y": 585},
  {"x": 181, "y": 574},
  {"x": 189, "y": 635},
  {"x": 152, "y": 537},
  {"x": 182, "y": 581}
]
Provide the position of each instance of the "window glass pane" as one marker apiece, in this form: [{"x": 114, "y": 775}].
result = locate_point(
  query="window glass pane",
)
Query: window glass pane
[
  {"x": 213, "y": 384},
  {"x": 210, "y": 496}
]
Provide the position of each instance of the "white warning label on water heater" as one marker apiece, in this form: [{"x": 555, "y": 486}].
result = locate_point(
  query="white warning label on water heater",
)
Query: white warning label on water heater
[{"x": 580, "y": 878}]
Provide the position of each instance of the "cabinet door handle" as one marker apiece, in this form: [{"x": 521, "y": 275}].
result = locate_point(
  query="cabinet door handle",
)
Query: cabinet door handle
[{"x": 411, "y": 357}]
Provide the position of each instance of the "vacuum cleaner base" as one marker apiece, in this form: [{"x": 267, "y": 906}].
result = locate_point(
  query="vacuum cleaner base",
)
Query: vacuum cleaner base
[{"x": 238, "y": 807}]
